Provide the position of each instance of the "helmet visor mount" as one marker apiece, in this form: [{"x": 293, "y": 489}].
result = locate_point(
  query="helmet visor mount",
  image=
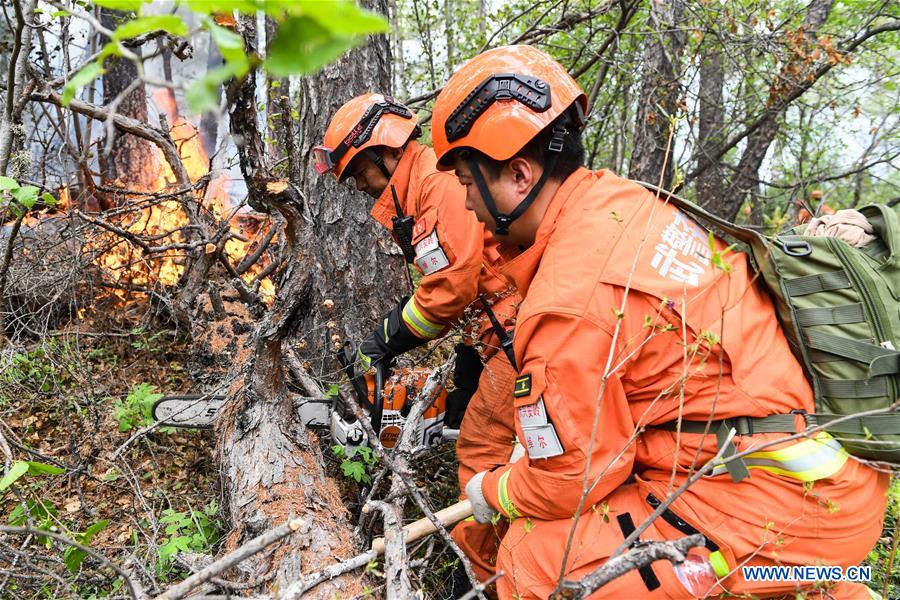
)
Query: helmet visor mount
[
  {"x": 326, "y": 159},
  {"x": 322, "y": 161}
]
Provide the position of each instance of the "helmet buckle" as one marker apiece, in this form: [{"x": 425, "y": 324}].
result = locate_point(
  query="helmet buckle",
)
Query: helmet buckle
[
  {"x": 503, "y": 222},
  {"x": 558, "y": 139}
]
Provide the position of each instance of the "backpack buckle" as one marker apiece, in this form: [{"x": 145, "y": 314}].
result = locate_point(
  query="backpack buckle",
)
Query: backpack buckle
[{"x": 794, "y": 246}]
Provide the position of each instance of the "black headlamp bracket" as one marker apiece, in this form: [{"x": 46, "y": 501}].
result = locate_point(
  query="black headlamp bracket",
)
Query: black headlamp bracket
[
  {"x": 362, "y": 131},
  {"x": 530, "y": 91}
]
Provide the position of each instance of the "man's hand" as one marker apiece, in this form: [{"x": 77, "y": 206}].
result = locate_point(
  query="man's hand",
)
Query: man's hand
[
  {"x": 389, "y": 339},
  {"x": 481, "y": 510}
]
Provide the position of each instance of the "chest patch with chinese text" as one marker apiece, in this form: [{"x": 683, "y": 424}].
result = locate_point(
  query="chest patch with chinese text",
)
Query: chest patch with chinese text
[
  {"x": 540, "y": 438},
  {"x": 430, "y": 257}
]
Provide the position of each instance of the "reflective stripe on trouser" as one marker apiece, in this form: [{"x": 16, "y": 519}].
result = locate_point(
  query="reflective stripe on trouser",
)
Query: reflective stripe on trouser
[
  {"x": 414, "y": 319},
  {"x": 812, "y": 459},
  {"x": 485, "y": 441}
]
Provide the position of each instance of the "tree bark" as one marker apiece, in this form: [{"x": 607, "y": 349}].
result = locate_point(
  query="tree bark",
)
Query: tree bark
[
  {"x": 271, "y": 464},
  {"x": 711, "y": 183},
  {"x": 660, "y": 87},
  {"x": 130, "y": 155},
  {"x": 16, "y": 92},
  {"x": 745, "y": 181},
  {"x": 357, "y": 266}
]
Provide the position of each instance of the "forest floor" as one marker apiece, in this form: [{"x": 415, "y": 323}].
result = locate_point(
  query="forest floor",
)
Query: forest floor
[{"x": 71, "y": 403}]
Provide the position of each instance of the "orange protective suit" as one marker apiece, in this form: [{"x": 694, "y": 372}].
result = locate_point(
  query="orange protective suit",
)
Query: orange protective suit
[
  {"x": 465, "y": 254},
  {"x": 437, "y": 203},
  {"x": 692, "y": 337}
]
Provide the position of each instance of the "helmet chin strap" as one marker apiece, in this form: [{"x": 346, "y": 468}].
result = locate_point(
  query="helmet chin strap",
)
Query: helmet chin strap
[
  {"x": 379, "y": 162},
  {"x": 503, "y": 221}
]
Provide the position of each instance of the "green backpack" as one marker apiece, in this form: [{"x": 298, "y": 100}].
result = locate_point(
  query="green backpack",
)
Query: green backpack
[{"x": 839, "y": 307}]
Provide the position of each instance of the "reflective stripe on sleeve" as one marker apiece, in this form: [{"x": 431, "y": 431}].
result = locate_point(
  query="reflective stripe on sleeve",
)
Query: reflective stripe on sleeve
[
  {"x": 505, "y": 503},
  {"x": 812, "y": 459},
  {"x": 418, "y": 323}
]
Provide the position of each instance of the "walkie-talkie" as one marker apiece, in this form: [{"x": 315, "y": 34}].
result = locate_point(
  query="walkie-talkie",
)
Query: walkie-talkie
[{"x": 403, "y": 229}]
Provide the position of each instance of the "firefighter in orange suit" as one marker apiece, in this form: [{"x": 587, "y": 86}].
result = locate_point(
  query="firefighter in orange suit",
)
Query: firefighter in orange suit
[
  {"x": 372, "y": 138},
  {"x": 633, "y": 321}
]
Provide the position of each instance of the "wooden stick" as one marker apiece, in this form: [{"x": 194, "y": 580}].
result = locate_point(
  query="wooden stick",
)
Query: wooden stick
[{"x": 415, "y": 531}]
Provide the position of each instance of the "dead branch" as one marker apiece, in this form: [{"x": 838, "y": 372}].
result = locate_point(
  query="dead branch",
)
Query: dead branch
[
  {"x": 639, "y": 557},
  {"x": 257, "y": 544},
  {"x": 133, "y": 587}
]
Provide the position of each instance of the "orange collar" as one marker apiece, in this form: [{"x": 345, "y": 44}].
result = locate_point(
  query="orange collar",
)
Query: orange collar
[
  {"x": 383, "y": 210},
  {"x": 521, "y": 269}
]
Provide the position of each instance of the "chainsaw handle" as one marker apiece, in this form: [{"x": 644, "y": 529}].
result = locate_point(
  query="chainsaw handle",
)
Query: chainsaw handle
[
  {"x": 347, "y": 358},
  {"x": 416, "y": 530},
  {"x": 378, "y": 409}
]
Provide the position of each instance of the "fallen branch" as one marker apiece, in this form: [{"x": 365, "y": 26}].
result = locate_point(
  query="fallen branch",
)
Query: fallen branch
[
  {"x": 134, "y": 588},
  {"x": 639, "y": 557},
  {"x": 257, "y": 544}
]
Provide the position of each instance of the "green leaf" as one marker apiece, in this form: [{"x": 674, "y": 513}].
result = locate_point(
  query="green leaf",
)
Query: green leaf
[
  {"x": 39, "y": 468},
  {"x": 354, "y": 470},
  {"x": 168, "y": 23},
  {"x": 204, "y": 94},
  {"x": 8, "y": 183},
  {"x": 26, "y": 195},
  {"x": 48, "y": 199},
  {"x": 87, "y": 74},
  {"x": 126, "y": 5},
  {"x": 73, "y": 557},
  {"x": 344, "y": 17},
  {"x": 110, "y": 49},
  {"x": 225, "y": 6},
  {"x": 60, "y": 13},
  {"x": 302, "y": 45},
  {"x": 18, "y": 469},
  {"x": 93, "y": 530},
  {"x": 229, "y": 43}
]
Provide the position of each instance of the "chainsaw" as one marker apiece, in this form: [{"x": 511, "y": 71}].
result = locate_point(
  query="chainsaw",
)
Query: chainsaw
[{"x": 386, "y": 396}]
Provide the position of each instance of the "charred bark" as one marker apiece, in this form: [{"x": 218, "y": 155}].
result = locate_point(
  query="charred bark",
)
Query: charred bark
[
  {"x": 129, "y": 156},
  {"x": 357, "y": 266},
  {"x": 660, "y": 88}
]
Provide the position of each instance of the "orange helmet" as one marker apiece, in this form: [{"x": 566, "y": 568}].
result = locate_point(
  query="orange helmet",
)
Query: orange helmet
[
  {"x": 364, "y": 122},
  {"x": 500, "y": 100}
]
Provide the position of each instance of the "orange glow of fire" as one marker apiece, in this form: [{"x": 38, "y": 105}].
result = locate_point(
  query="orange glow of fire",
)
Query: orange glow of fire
[{"x": 163, "y": 222}]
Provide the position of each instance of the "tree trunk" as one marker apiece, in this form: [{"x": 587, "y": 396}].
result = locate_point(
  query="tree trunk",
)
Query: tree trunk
[
  {"x": 357, "y": 265},
  {"x": 271, "y": 464},
  {"x": 15, "y": 92},
  {"x": 209, "y": 122},
  {"x": 130, "y": 155},
  {"x": 711, "y": 183},
  {"x": 746, "y": 177},
  {"x": 660, "y": 87}
]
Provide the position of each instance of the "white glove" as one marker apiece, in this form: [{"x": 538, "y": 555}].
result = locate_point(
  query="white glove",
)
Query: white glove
[{"x": 481, "y": 510}]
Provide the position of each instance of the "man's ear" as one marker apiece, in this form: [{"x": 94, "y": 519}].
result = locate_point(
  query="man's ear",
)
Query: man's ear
[
  {"x": 394, "y": 153},
  {"x": 522, "y": 172}
]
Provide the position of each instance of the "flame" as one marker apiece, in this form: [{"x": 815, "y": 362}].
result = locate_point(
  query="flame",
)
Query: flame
[{"x": 163, "y": 222}]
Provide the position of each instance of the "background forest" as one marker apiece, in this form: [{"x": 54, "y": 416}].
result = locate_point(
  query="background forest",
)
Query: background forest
[{"x": 163, "y": 232}]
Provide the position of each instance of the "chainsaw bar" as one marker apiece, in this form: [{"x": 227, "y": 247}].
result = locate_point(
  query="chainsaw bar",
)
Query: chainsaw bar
[
  {"x": 198, "y": 411},
  {"x": 190, "y": 410}
]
